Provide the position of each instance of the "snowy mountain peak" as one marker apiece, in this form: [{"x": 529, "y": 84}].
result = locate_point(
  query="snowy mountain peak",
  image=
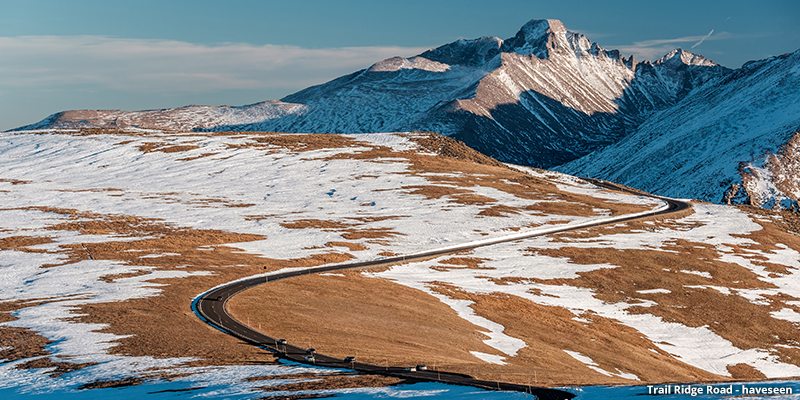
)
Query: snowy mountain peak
[
  {"x": 539, "y": 27},
  {"x": 681, "y": 56},
  {"x": 538, "y": 37}
]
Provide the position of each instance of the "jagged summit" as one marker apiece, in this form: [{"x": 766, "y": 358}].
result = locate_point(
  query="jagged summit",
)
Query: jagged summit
[
  {"x": 681, "y": 56},
  {"x": 537, "y": 37},
  {"x": 537, "y": 28}
]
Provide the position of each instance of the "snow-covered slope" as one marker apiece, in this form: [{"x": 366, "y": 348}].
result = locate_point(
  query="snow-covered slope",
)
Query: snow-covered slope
[
  {"x": 179, "y": 119},
  {"x": 68, "y": 196},
  {"x": 103, "y": 233},
  {"x": 719, "y": 138},
  {"x": 541, "y": 98}
]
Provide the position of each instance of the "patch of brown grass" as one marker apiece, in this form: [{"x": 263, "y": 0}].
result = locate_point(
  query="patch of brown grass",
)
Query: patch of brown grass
[
  {"x": 336, "y": 381},
  {"x": 315, "y": 223},
  {"x": 348, "y": 230},
  {"x": 348, "y": 245},
  {"x": 15, "y": 181},
  {"x": 370, "y": 233},
  {"x": 454, "y": 194},
  {"x": 20, "y": 343},
  {"x": 164, "y": 326},
  {"x": 499, "y": 210},
  {"x": 562, "y": 208},
  {"x": 745, "y": 372},
  {"x": 20, "y": 243},
  {"x": 467, "y": 262},
  {"x": 92, "y": 190},
  {"x": 105, "y": 384},
  {"x": 295, "y": 142},
  {"x": 375, "y": 219},
  {"x": 448, "y": 147},
  {"x": 58, "y": 367},
  {"x": 259, "y": 217},
  {"x": 434, "y": 192},
  {"x": 150, "y": 147},
  {"x": 197, "y": 157}
]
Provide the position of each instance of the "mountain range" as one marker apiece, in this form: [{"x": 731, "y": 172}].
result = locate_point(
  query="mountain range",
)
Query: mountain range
[
  {"x": 734, "y": 141},
  {"x": 549, "y": 98}
]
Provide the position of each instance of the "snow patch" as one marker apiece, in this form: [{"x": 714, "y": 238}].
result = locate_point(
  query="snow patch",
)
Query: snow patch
[
  {"x": 489, "y": 358},
  {"x": 787, "y": 314},
  {"x": 593, "y": 365},
  {"x": 653, "y": 291}
]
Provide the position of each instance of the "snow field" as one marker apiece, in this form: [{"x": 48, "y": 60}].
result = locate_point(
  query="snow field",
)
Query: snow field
[
  {"x": 225, "y": 183},
  {"x": 106, "y": 178}
]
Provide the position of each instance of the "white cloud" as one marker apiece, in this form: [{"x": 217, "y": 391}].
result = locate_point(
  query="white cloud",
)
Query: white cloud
[
  {"x": 168, "y": 66},
  {"x": 653, "y": 49}
]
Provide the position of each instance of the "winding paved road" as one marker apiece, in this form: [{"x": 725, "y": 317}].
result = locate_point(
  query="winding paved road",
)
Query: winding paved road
[{"x": 210, "y": 306}]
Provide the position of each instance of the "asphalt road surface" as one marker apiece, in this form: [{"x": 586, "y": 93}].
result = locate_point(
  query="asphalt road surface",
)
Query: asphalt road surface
[{"x": 211, "y": 308}]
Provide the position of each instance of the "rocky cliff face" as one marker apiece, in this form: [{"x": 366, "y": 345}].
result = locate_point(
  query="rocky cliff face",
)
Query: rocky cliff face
[
  {"x": 772, "y": 181},
  {"x": 731, "y": 140}
]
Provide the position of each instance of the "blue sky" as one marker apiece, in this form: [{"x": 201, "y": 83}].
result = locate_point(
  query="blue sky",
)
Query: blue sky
[{"x": 61, "y": 55}]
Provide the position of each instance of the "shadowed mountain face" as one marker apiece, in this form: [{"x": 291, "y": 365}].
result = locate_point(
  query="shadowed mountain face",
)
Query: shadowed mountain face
[
  {"x": 736, "y": 141},
  {"x": 541, "y": 98}
]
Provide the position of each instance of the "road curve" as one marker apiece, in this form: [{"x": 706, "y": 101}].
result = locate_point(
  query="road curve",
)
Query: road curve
[{"x": 210, "y": 306}]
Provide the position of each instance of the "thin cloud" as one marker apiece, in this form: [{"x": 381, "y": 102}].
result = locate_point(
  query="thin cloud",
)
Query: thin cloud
[
  {"x": 704, "y": 38},
  {"x": 653, "y": 49},
  {"x": 161, "y": 66}
]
